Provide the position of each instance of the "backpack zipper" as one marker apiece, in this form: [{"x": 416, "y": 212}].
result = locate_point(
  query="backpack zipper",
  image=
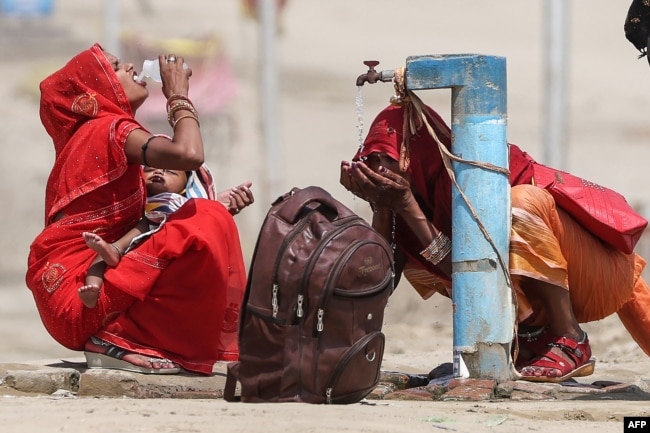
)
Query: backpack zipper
[
  {"x": 275, "y": 298},
  {"x": 299, "y": 310}
]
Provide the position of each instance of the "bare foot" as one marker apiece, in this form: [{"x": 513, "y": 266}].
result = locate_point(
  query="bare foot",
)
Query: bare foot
[
  {"x": 108, "y": 252},
  {"x": 89, "y": 294}
]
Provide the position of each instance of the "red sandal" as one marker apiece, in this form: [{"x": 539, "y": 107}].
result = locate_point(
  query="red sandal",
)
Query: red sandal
[{"x": 579, "y": 363}]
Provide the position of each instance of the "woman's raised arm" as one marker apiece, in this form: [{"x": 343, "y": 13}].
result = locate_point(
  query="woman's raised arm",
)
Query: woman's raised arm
[{"x": 184, "y": 150}]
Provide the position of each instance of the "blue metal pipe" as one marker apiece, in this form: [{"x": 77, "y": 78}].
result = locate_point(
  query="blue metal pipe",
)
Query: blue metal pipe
[{"x": 483, "y": 314}]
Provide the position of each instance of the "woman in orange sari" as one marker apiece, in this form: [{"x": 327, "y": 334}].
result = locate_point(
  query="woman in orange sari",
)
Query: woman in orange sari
[
  {"x": 173, "y": 301},
  {"x": 562, "y": 274}
]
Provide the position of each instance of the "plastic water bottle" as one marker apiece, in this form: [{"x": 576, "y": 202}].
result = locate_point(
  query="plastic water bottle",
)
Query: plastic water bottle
[{"x": 151, "y": 69}]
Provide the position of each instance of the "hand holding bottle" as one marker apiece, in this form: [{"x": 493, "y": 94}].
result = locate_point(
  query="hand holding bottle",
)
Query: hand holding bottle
[
  {"x": 175, "y": 78},
  {"x": 151, "y": 69}
]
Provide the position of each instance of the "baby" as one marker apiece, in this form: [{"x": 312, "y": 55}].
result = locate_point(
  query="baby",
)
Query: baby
[{"x": 165, "y": 194}]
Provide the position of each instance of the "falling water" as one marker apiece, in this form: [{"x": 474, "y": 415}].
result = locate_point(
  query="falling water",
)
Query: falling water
[{"x": 359, "y": 104}]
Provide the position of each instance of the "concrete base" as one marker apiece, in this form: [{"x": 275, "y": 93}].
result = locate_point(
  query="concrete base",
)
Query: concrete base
[{"x": 72, "y": 377}]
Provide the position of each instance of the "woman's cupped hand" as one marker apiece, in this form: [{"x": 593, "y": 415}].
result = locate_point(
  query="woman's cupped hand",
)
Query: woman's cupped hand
[{"x": 382, "y": 188}]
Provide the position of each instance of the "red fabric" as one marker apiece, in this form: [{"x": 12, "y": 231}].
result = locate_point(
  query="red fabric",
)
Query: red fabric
[
  {"x": 188, "y": 279},
  {"x": 602, "y": 211},
  {"x": 177, "y": 295},
  {"x": 83, "y": 103},
  {"x": 428, "y": 174}
]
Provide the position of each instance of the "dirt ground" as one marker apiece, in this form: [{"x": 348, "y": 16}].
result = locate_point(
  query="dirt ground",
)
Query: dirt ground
[{"x": 321, "y": 47}]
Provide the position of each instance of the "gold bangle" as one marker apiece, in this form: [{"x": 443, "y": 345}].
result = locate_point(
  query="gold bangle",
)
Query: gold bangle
[
  {"x": 185, "y": 116},
  {"x": 178, "y": 106},
  {"x": 181, "y": 105},
  {"x": 176, "y": 97}
]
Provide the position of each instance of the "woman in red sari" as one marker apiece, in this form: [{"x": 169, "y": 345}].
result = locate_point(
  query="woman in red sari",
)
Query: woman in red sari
[
  {"x": 174, "y": 300},
  {"x": 562, "y": 274}
]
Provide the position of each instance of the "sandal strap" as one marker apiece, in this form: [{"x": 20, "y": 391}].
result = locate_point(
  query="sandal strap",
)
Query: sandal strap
[
  {"x": 110, "y": 349},
  {"x": 553, "y": 361},
  {"x": 578, "y": 352},
  {"x": 115, "y": 352}
]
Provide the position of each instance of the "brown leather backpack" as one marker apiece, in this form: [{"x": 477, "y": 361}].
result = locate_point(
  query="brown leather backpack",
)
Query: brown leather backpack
[{"x": 310, "y": 325}]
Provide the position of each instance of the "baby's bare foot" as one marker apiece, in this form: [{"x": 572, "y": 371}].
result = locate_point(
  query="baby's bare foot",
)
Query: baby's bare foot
[
  {"x": 108, "y": 252},
  {"x": 89, "y": 294}
]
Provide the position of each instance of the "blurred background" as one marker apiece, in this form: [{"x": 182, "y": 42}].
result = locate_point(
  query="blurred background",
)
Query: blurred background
[{"x": 277, "y": 101}]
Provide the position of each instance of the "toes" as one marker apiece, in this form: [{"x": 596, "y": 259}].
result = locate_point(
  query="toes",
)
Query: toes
[
  {"x": 539, "y": 372},
  {"x": 89, "y": 288},
  {"x": 159, "y": 364}
]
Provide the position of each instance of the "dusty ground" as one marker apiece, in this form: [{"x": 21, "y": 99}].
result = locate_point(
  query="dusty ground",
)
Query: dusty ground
[{"x": 320, "y": 52}]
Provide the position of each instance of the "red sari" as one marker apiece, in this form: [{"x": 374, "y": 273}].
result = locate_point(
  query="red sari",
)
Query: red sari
[{"x": 176, "y": 295}]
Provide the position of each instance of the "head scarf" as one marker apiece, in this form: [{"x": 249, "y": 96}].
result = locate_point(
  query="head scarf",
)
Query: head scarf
[
  {"x": 425, "y": 167},
  {"x": 405, "y": 138},
  {"x": 86, "y": 112}
]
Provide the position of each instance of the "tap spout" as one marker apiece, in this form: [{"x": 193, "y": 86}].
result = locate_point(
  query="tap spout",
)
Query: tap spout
[{"x": 372, "y": 76}]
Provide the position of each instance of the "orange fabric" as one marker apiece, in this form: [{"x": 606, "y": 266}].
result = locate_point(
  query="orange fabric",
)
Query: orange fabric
[
  {"x": 176, "y": 295},
  {"x": 549, "y": 245},
  {"x": 424, "y": 282},
  {"x": 635, "y": 313}
]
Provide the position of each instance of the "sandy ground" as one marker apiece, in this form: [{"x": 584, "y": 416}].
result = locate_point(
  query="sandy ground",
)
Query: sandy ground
[{"x": 320, "y": 52}]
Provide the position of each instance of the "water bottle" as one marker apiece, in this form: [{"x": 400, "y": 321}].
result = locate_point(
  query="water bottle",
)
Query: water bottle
[{"x": 151, "y": 69}]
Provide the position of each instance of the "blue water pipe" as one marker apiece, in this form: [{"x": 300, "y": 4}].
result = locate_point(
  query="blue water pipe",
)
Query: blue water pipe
[{"x": 483, "y": 311}]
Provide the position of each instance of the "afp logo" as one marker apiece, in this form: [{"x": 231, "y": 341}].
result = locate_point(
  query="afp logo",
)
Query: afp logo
[{"x": 638, "y": 424}]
